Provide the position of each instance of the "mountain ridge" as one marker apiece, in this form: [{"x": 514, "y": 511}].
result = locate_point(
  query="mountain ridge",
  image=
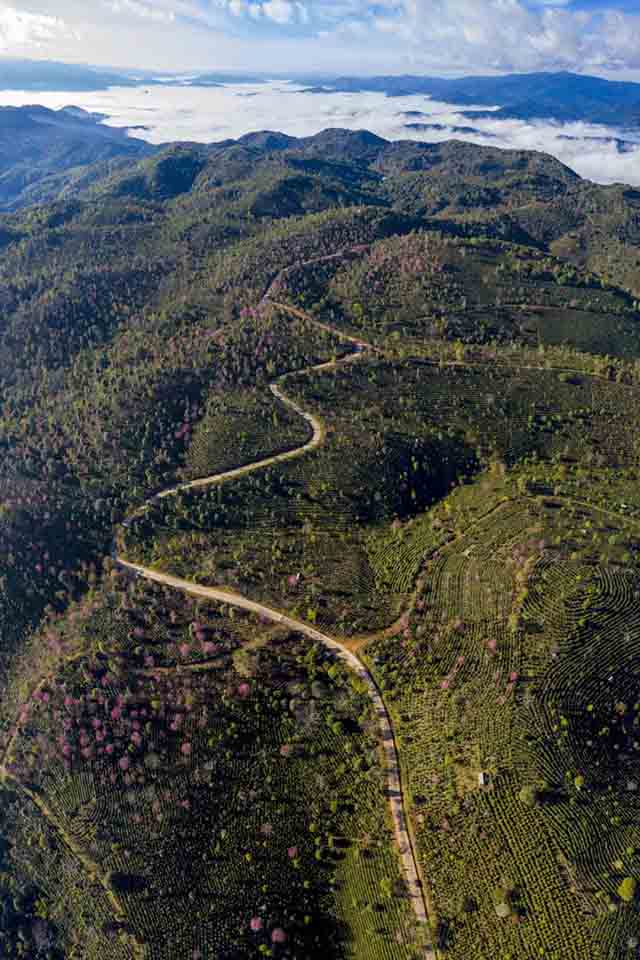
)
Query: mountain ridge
[{"x": 562, "y": 96}]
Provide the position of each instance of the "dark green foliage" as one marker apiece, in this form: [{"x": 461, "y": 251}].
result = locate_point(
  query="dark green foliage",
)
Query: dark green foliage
[
  {"x": 137, "y": 349},
  {"x": 164, "y": 177}
]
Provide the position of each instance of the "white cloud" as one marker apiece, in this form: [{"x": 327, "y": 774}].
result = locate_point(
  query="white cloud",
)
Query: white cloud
[
  {"x": 346, "y": 36},
  {"x": 501, "y": 34},
  {"x": 19, "y": 29},
  {"x": 143, "y": 9},
  {"x": 207, "y": 115},
  {"x": 449, "y": 35},
  {"x": 506, "y": 35},
  {"x": 178, "y": 35},
  {"x": 281, "y": 11}
]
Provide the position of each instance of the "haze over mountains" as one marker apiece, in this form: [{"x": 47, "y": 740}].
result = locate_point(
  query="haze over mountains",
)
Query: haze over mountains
[
  {"x": 589, "y": 123},
  {"x": 564, "y": 97},
  {"x": 561, "y": 96},
  {"x": 42, "y": 151},
  {"x": 38, "y": 75}
]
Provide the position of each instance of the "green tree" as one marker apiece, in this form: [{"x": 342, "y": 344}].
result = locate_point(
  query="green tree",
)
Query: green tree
[
  {"x": 627, "y": 889},
  {"x": 529, "y": 796}
]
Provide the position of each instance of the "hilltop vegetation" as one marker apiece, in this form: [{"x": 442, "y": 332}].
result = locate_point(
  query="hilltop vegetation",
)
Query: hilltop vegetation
[{"x": 465, "y": 522}]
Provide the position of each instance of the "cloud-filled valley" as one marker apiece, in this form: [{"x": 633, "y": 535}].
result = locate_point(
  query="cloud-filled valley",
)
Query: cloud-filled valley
[{"x": 170, "y": 112}]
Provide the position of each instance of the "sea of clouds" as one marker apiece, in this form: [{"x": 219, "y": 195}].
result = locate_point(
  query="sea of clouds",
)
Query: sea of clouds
[{"x": 169, "y": 112}]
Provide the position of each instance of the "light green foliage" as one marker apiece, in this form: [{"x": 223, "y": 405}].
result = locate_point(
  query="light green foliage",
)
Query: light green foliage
[{"x": 627, "y": 889}]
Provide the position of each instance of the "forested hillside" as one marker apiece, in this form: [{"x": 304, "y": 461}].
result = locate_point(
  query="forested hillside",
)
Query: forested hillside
[
  {"x": 427, "y": 358},
  {"x": 47, "y": 153}
]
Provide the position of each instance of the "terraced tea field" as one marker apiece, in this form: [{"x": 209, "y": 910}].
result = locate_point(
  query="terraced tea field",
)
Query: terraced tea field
[
  {"x": 312, "y": 535},
  {"x": 363, "y": 683},
  {"x": 512, "y": 686},
  {"x": 427, "y": 285}
]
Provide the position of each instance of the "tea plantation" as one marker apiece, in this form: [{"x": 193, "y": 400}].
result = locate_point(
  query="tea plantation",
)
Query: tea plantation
[
  {"x": 319, "y": 566},
  {"x": 455, "y": 529}
]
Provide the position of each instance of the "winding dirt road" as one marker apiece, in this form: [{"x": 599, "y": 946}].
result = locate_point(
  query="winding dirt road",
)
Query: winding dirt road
[{"x": 394, "y": 787}]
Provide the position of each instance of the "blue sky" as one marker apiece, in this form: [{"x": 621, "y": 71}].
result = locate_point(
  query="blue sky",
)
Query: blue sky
[{"x": 441, "y": 37}]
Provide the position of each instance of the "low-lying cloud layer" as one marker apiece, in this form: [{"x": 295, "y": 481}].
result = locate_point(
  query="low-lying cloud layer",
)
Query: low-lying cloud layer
[{"x": 168, "y": 113}]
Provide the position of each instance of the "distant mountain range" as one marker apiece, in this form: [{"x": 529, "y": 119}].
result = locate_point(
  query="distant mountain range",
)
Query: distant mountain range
[
  {"x": 565, "y": 97},
  {"x": 562, "y": 96},
  {"x": 453, "y": 129},
  {"x": 48, "y": 75},
  {"x": 48, "y": 154},
  {"x": 69, "y": 77}
]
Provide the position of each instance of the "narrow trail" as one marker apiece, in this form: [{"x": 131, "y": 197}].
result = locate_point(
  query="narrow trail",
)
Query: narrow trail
[
  {"x": 317, "y": 438},
  {"x": 394, "y": 787}
]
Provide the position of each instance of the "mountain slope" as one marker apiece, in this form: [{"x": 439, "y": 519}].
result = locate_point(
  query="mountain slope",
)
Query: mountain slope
[
  {"x": 451, "y": 493},
  {"x": 42, "y": 151}
]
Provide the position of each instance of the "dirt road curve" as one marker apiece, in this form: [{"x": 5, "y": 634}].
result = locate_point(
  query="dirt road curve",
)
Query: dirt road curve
[{"x": 394, "y": 788}]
